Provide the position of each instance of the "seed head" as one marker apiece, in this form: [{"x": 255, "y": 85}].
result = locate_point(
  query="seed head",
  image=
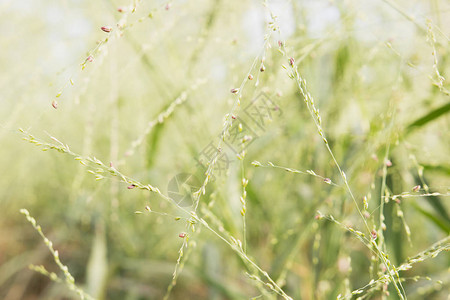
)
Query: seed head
[
  {"x": 106, "y": 28},
  {"x": 246, "y": 138},
  {"x": 374, "y": 234},
  {"x": 244, "y": 182},
  {"x": 291, "y": 61}
]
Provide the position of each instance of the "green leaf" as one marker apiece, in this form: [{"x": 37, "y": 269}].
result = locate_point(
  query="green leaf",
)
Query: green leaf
[
  {"x": 433, "y": 218},
  {"x": 430, "y": 116}
]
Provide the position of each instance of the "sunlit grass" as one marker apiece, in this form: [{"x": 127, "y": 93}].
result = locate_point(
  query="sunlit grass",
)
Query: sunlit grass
[{"x": 314, "y": 136}]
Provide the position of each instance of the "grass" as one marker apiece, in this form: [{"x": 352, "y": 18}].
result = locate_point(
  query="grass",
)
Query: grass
[{"x": 314, "y": 137}]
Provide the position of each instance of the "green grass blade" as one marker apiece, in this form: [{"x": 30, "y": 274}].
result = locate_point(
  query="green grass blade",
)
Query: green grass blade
[{"x": 429, "y": 117}]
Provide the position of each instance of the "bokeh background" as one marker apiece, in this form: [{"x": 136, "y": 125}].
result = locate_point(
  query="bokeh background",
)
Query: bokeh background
[{"x": 373, "y": 69}]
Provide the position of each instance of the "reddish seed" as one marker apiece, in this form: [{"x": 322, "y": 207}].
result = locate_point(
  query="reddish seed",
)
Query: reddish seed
[
  {"x": 234, "y": 91},
  {"x": 132, "y": 186},
  {"x": 388, "y": 163},
  {"x": 233, "y": 117},
  {"x": 291, "y": 61},
  {"x": 262, "y": 69},
  {"x": 55, "y": 104},
  {"x": 327, "y": 180},
  {"x": 280, "y": 44},
  {"x": 416, "y": 188},
  {"x": 250, "y": 77},
  {"x": 120, "y": 9},
  {"x": 90, "y": 58},
  {"x": 106, "y": 28},
  {"x": 168, "y": 6},
  {"x": 374, "y": 234},
  {"x": 182, "y": 235}
]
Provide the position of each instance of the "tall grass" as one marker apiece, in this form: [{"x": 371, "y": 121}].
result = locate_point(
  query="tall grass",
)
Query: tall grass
[{"x": 225, "y": 150}]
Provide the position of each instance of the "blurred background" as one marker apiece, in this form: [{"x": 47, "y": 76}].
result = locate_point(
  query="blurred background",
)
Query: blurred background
[{"x": 151, "y": 97}]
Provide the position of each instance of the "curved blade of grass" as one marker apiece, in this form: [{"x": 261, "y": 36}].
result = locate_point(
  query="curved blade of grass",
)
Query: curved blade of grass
[
  {"x": 439, "y": 222},
  {"x": 440, "y": 210},
  {"x": 153, "y": 139},
  {"x": 430, "y": 116},
  {"x": 152, "y": 143},
  {"x": 444, "y": 169}
]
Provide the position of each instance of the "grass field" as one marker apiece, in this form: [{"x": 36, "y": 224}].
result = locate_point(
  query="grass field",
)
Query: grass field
[{"x": 224, "y": 149}]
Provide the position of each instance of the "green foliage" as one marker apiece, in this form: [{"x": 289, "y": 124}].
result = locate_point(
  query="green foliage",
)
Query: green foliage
[{"x": 312, "y": 140}]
